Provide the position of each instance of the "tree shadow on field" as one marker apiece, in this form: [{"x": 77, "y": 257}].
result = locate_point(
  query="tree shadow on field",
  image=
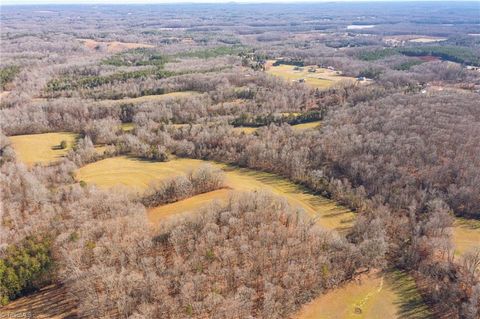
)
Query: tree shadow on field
[{"x": 411, "y": 304}]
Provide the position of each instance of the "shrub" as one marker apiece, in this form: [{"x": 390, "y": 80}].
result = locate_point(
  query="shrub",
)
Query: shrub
[{"x": 63, "y": 144}]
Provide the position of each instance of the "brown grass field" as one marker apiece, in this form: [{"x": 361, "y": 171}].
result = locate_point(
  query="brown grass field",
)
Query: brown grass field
[
  {"x": 152, "y": 98},
  {"x": 41, "y": 148},
  {"x": 322, "y": 78},
  {"x": 466, "y": 235},
  {"x": 375, "y": 296},
  {"x": 246, "y": 130},
  {"x": 138, "y": 174},
  {"x": 113, "y": 46},
  {"x": 306, "y": 126}
]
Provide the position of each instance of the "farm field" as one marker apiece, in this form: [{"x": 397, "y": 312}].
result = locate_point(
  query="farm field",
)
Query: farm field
[
  {"x": 138, "y": 174},
  {"x": 413, "y": 39},
  {"x": 466, "y": 235},
  {"x": 360, "y": 27},
  {"x": 132, "y": 172},
  {"x": 378, "y": 295},
  {"x": 152, "y": 98},
  {"x": 42, "y": 148},
  {"x": 113, "y": 46},
  {"x": 428, "y": 39},
  {"x": 127, "y": 127},
  {"x": 322, "y": 78},
  {"x": 186, "y": 206},
  {"x": 306, "y": 126},
  {"x": 246, "y": 130}
]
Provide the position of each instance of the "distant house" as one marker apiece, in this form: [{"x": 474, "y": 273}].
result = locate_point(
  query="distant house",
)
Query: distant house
[
  {"x": 312, "y": 70},
  {"x": 472, "y": 67},
  {"x": 361, "y": 78},
  {"x": 331, "y": 68}
]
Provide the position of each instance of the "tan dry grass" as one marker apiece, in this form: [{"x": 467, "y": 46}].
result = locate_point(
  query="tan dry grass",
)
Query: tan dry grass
[
  {"x": 466, "y": 235},
  {"x": 113, "y": 46},
  {"x": 42, "y": 148},
  {"x": 138, "y": 174},
  {"x": 322, "y": 78},
  {"x": 306, "y": 126},
  {"x": 377, "y": 295}
]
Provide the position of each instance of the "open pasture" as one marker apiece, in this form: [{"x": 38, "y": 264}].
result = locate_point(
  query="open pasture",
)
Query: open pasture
[
  {"x": 314, "y": 76},
  {"x": 186, "y": 206},
  {"x": 326, "y": 212},
  {"x": 138, "y": 174},
  {"x": 244, "y": 129},
  {"x": 466, "y": 235},
  {"x": 133, "y": 172},
  {"x": 42, "y": 148},
  {"x": 428, "y": 39},
  {"x": 306, "y": 126},
  {"x": 378, "y": 295},
  {"x": 113, "y": 46},
  {"x": 153, "y": 98}
]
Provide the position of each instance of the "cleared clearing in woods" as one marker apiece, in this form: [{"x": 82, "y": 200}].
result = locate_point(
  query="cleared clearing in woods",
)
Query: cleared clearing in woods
[
  {"x": 377, "y": 295},
  {"x": 42, "y": 148},
  {"x": 138, "y": 174},
  {"x": 135, "y": 173},
  {"x": 466, "y": 235},
  {"x": 306, "y": 126},
  {"x": 152, "y": 98},
  {"x": 322, "y": 78},
  {"x": 113, "y": 46}
]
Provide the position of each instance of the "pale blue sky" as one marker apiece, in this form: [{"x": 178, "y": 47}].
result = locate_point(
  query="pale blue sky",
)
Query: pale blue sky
[{"x": 10, "y": 2}]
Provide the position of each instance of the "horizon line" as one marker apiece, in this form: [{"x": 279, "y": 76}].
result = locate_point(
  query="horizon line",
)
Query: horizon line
[{"x": 193, "y": 2}]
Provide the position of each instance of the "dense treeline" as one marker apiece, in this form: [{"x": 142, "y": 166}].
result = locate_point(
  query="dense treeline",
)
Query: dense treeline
[
  {"x": 202, "y": 180},
  {"x": 458, "y": 54}
]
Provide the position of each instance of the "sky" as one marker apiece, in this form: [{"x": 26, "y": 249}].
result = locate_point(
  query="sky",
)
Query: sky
[{"x": 11, "y": 2}]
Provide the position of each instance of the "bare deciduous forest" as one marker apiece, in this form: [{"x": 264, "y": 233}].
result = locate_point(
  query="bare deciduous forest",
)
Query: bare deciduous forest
[{"x": 370, "y": 108}]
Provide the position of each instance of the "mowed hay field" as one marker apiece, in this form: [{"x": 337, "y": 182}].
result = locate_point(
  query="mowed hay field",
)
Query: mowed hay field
[
  {"x": 153, "y": 98},
  {"x": 42, "y": 148},
  {"x": 375, "y": 296},
  {"x": 306, "y": 126},
  {"x": 113, "y": 46},
  {"x": 133, "y": 172},
  {"x": 245, "y": 130},
  {"x": 466, "y": 235},
  {"x": 138, "y": 174},
  {"x": 326, "y": 212},
  {"x": 322, "y": 78}
]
